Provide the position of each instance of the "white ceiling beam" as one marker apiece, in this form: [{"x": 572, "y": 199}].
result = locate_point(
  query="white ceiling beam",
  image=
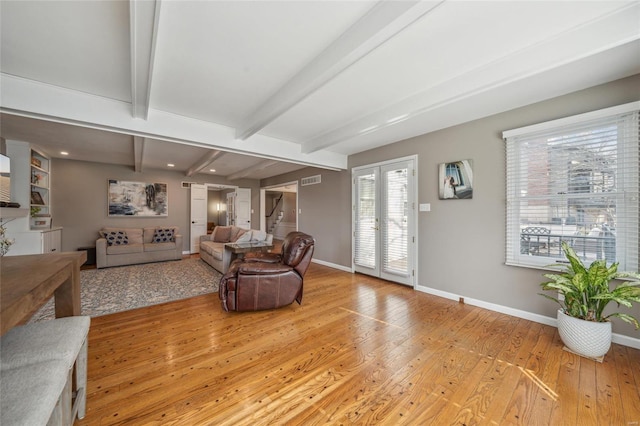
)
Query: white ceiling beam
[
  {"x": 382, "y": 22},
  {"x": 615, "y": 30},
  {"x": 199, "y": 165},
  {"x": 30, "y": 98},
  {"x": 144, "y": 17},
  {"x": 246, "y": 172},
  {"x": 138, "y": 153}
]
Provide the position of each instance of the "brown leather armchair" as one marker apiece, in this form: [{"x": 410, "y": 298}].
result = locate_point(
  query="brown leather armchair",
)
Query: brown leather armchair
[{"x": 267, "y": 280}]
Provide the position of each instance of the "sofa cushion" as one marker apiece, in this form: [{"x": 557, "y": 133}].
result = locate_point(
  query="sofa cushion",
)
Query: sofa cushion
[
  {"x": 206, "y": 246},
  {"x": 116, "y": 238},
  {"x": 133, "y": 234},
  {"x": 221, "y": 234},
  {"x": 159, "y": 246},
  {"x": 125, "y": 249},
  {"x": 215, "y": 250},
  {"x": 163, "y": 235}
]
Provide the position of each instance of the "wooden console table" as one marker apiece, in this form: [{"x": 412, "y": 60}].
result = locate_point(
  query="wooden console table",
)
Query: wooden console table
[{"x": 28, "y": 282}]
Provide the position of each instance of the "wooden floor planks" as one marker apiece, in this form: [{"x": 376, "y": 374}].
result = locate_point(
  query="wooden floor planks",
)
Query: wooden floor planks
[{"x": 357, "y": 351}]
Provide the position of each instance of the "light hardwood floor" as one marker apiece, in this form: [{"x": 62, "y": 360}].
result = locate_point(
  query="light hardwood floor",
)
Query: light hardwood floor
[{"x": 357, "y": 351}]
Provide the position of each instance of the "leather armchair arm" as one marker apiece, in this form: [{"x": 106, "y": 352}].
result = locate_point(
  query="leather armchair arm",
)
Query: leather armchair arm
[{"x": 261, "y": 268}]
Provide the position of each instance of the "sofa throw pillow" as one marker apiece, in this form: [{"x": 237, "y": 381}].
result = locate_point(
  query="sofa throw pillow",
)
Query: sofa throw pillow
[
  {"x": 116, "y": 238},
  {"x": 221, "y": 234},
  {"x": 244, "y": 238},
  {"x": 236, "y": 233},
  {"x": 258, "y": 236},
  {"x": 163, "y": 235}
]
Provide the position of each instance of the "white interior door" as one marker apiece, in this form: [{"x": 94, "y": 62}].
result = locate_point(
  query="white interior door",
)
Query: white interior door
[
  {"x": 243, "y": 208},
  {"x": 384, "y": 221},
  {"x": 198, "y": 215}
]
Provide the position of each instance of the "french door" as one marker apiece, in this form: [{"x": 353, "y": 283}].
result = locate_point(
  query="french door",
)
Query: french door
[{"x": 384, "y": 220}]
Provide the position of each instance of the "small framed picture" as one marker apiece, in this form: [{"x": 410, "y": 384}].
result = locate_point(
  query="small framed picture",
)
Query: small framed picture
[
  {"x": 36, "y": 198},
  {"x": 456, "y": 180}
]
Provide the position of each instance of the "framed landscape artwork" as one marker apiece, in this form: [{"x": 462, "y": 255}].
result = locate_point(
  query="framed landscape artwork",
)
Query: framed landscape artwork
[
  {"x": 455, "y": 180},
  {"x": 137, "y": 199}
]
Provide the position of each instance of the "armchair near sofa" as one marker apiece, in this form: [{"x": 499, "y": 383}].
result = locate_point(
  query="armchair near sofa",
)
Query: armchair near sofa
[{"x": 267, "y": 280}]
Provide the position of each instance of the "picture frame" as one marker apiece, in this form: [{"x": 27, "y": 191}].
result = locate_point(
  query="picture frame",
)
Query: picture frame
[
  {"x": 36, "y": 198},
  {"x": 455, "y": 180},
  {"x": 41, "y": 222},
  {"x": 137, "y": 199}
]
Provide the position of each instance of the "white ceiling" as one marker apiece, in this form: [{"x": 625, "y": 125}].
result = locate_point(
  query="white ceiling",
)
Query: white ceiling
[{"x": 254, "y": 89}]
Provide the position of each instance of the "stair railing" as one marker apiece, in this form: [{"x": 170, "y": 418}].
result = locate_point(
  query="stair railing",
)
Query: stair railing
[{"x": 276, "y": 205}]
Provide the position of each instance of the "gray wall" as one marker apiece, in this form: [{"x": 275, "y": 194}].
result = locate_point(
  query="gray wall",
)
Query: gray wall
[
  {"x": 325, "y": 211},
  {"x": 79, "y": 199},
  {"x": 461, "y": 243}
]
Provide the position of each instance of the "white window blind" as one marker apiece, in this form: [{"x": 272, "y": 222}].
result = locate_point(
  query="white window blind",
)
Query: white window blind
[
  {"x": 575, "y": 180},
  {"x": 366, "y": 221},
  {"x": 395, "y": 228}
]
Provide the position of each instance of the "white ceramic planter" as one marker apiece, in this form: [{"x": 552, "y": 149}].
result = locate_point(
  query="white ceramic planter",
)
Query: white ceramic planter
[{"x": 587, "y": 338}]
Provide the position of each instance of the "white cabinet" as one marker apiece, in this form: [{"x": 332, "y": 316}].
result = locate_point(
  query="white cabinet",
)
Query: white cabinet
[
  {"x": 36, "y": 242},
  {"x": 52, "y": 240}
]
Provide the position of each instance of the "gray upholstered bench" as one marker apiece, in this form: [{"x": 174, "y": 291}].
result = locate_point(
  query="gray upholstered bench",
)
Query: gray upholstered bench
[
  {"x": 61, "y": 339},
  {"x": 36, "y": 394}
]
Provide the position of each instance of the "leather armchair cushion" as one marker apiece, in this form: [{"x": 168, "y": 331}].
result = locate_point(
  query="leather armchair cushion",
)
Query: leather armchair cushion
[{"x": 260, "y": 268}]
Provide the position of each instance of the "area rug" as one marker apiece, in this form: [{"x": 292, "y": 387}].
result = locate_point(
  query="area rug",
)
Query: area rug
[{"x": 110, "y": 290}]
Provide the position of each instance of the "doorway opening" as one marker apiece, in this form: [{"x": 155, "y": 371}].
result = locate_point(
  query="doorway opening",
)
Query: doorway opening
[
  {"x": 208, "y": 209},
  {"x": 279, "y": 209}
]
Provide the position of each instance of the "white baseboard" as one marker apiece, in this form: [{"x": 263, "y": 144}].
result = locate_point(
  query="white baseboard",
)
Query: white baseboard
[
  {"x": 616, "y": 338},
  {"x": 332, "y": 265}
]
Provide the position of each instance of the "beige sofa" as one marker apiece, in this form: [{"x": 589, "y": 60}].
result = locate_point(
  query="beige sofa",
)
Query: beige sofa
[
  {"x": 212, "y": 247},
  {"x": 127, "y": 246}
]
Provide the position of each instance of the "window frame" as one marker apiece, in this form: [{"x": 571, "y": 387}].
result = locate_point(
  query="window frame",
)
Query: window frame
[{"x": 515, "y": 169}]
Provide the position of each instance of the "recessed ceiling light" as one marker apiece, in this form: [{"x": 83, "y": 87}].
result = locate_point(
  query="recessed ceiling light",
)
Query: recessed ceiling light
[
  {"x": 64, "y": 153},
  {"x": 212, "y": 170},
  {"x": 170, "y": 165}
]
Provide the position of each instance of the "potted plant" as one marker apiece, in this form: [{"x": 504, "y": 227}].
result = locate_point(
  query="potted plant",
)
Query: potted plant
[
  {"x": 5, "y": 242},
  {"x": 582, "y": 324}
]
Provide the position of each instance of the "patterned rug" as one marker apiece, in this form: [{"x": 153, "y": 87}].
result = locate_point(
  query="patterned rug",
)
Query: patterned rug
[{"x": 109, "y": 290}]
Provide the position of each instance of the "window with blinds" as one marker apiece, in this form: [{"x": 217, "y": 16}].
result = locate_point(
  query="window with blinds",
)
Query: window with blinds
[{"x": 575, "y": 180}]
